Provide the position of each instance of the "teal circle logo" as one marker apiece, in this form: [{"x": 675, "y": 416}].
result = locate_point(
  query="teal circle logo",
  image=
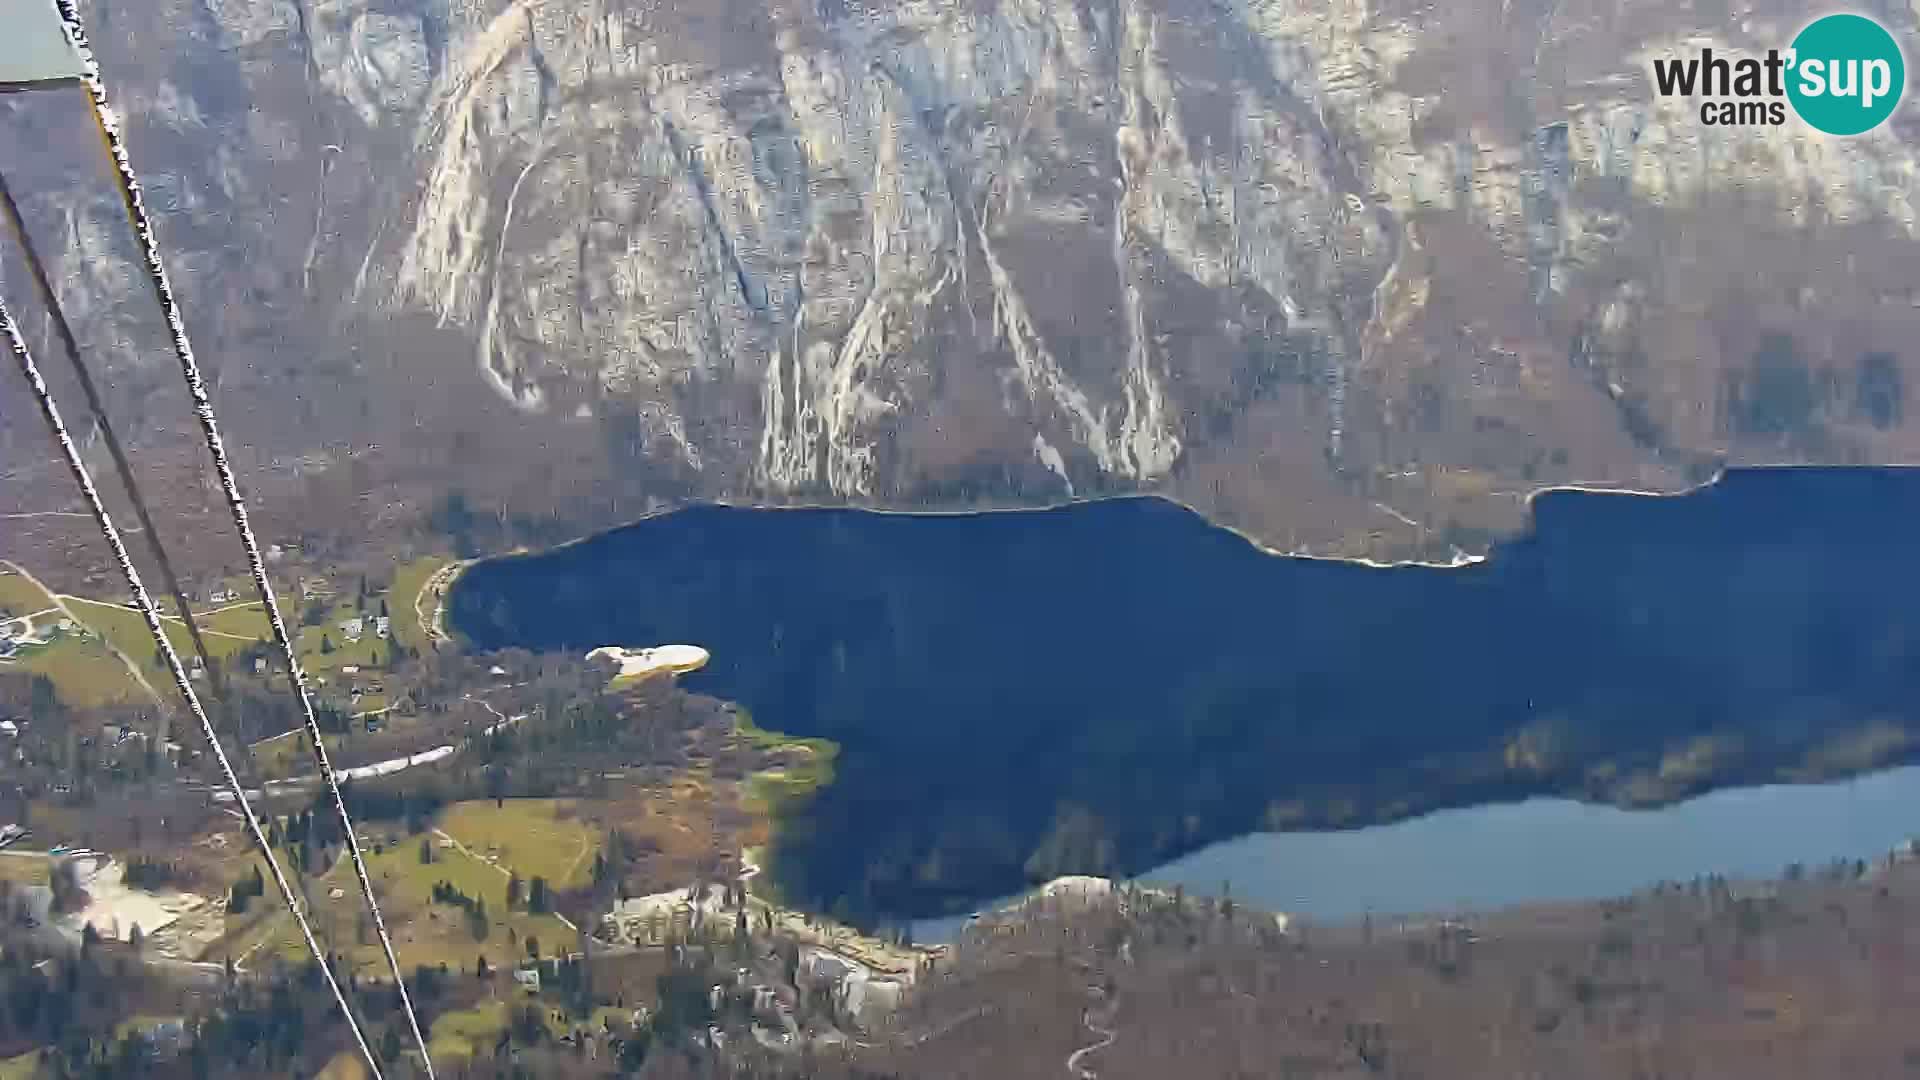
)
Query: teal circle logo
[{"x": 1846, "y": 74}]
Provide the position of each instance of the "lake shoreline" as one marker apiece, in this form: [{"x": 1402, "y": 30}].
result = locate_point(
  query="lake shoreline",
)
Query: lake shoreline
[
  {"x": 1461, "y": 561},
  {"x": 1120, "y": 681},
  {"x": 1153, "y": 496},
  {"x": 1576, "y": 852}
]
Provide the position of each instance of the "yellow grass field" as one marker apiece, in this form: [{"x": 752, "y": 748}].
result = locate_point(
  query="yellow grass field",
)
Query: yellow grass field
[
  {"x": 533, "y": 837},
  {"x": 85, "y": 673},
  {"x": 125, "y": 627},
  {"x": 18, "y": 596},
  {"x": 346, "y": 1065},
  {"x": 246, "y": 621},
  {"x": 424, "y": 933},
  {"x": 19, "y": 868},
  {"x": 468, "y": 1033}
]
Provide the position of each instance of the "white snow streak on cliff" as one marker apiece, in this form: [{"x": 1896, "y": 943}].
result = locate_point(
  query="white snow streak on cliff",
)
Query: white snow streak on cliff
[
  {"x": 496, "y": 357},
  {"x": 440, "y": 262},
  {"x": 1148, "y": 442},
  {"x": 1038, "y": 369}
]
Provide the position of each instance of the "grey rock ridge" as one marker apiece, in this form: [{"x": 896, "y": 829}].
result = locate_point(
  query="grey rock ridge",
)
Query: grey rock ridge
[{"x": 1353, "y": 276}]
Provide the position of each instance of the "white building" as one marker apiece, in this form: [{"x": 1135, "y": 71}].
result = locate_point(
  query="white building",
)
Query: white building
[{"x": 869, "y": 999}]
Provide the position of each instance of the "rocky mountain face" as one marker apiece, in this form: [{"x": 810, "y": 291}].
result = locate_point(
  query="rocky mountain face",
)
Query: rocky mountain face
[{"x": 1354, "y": 276}]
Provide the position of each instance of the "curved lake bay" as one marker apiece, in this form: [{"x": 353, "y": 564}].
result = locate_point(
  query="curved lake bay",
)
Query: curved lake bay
[{"x": 1107, "y": 686}]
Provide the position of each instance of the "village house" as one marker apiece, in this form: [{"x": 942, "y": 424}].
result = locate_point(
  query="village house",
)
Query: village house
[{"x": 766, "y": 1002}]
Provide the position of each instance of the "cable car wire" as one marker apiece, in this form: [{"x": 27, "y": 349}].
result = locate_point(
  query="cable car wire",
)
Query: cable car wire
[
  {"x": 18, "y": 345},
  {"x": 135, "y": 205},
  {"x": 64, "y": 332}
]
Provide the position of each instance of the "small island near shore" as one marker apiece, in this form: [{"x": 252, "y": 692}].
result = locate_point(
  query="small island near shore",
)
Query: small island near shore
[{"x": 637, "y": 664}]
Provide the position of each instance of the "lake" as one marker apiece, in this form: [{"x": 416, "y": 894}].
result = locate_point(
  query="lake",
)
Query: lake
[
  {"x": 1109, "y": 686},
  {"x": 1484, "y": 857}
]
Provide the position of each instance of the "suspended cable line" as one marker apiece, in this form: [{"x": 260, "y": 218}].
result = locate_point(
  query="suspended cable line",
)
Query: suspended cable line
[
  {"x": 18, "y": 345},
  {"x": 62, "y": 330},
  {"x": 135, "y": 204}
]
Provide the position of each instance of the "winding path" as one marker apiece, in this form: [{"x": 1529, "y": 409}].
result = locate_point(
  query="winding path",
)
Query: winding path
[
  {"x": 501, "y": 870},
  {"x": 133, "y": 669},
  {"x": 62, "y": 598},
  {"x": 1107, "y": 1035}
]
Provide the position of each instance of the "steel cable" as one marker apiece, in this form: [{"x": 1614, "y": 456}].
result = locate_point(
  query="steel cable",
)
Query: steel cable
[
  {"x": 18, "y": 344},
  {"x": 64, "y": 331},
  {"x": 135, "y": 204}
]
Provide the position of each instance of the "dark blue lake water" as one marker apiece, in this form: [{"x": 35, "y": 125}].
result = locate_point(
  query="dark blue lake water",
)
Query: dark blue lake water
[{"x": 1106, "y": 687}]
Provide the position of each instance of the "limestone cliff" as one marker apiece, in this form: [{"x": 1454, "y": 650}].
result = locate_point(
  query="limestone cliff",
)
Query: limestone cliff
[{"x": 1353, "y": 275}]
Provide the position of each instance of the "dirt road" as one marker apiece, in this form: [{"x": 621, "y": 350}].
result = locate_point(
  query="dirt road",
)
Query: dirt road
[
  {"x": 1107, "y": 1035},
  {"x": 133, "y": 669}
]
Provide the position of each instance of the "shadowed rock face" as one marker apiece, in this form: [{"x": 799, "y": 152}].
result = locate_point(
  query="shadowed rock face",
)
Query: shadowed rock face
[
  {"x": 1098, "y": 688},
  {"x": 1352, "y": 276}
]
